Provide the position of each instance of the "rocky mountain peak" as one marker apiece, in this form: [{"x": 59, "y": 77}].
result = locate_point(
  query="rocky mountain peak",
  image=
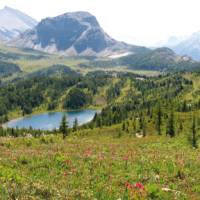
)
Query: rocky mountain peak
[{"x": 74, "y": 33}]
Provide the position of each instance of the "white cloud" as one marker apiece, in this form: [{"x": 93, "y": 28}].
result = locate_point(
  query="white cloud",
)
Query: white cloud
[{"x": 137, "y": 21}]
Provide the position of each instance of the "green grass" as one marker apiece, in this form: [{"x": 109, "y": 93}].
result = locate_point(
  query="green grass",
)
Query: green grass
[{"x": 96, "y": 164}]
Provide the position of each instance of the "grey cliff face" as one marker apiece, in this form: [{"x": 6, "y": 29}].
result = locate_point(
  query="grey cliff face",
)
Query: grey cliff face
[{"x": 77, "y": 33}]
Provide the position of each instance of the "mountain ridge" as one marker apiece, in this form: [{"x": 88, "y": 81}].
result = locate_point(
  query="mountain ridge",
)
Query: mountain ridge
[{"x": 185, "y": 45}]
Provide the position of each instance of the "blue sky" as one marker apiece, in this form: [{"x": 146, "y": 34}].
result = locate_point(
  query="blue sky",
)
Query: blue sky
[{"x": 143, "y": 22}]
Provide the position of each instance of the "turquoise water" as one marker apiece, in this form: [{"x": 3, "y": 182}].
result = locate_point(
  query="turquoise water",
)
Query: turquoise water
[{"x": 51, "y": 120}]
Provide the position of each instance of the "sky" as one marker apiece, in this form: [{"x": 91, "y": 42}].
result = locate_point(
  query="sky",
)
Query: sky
[{"x": 141, "y": 22}]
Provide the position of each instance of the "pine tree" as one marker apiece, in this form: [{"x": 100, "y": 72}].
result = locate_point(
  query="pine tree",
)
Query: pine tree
[
  {"x": 148, "y": 109},
  {"x": 127, "y": 126},
  {"x": 141, "y": 120},
  {"x": 144, "y": 127},
  {"x": 170, "y": 126},
  {"x": 159, "y": 119},
  {"x": 64, "y": 126},
  {"x": 75, "y": 125},
  {"x": 194, "y": 133},
  {"x": 184, "y": 107},
  {"x": 99, "y": 122},
  {"x": 123, "y": 126},
  {"x": 134, "y": 125},
  {"x": 13, "y": 132},
  {"x": 180, "y": 127}
]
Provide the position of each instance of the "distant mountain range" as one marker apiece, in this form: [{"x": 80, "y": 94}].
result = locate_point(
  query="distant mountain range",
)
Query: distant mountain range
[
  {"x": 169, "y": 42},
  {"x": 189, "y": 45},
  {"x": 80, "y": 34},
  {"x": 14, "y": 22}
]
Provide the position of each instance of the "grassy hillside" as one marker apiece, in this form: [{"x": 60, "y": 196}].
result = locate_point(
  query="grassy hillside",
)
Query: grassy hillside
[
  {"x": 125, "y": 158},
  {"x": 98, "y": 164},
  {"x": 143, "y": 145}
]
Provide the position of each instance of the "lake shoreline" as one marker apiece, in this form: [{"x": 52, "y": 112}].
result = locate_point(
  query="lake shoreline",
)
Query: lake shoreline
[
  {"x": 83, "y": 115},
  {"x": 41, "y": 111}
]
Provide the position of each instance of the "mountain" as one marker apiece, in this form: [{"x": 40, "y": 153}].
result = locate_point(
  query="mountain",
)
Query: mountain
[
  {"x": 170, "y": 42},
  {"x": 189, "y": 46},
  {"x": 161, "y": 59},
  {"x": 76, "y": 33},
  {"x": 14, "y": 22}
]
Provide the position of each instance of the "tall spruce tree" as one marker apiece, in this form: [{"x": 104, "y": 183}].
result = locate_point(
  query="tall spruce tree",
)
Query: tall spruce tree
[
  {"x": 141, "y": 120},
  {"x": 194, "y": 133},
  {"x": 144, "y": 132},
  {"x": 159, "y": 119},
  {"x": 134, "y": 125},
  {"x": 123, "y": 126},
  {"x": 75, "y": 125},
  {"x": 170, "y": 125},
  {"x": 64, "y": 126}
]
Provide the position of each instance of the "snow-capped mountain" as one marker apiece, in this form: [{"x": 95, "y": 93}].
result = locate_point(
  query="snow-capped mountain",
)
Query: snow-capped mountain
[{"x": 14, "y": 22}]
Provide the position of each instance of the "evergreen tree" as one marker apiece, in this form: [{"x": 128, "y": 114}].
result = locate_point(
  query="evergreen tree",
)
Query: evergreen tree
[
  {"x": 75, "y": 125},
  {"x": 123, "y": 126},
  {"x": 144, "y": 127},
  {"x": 194, "y": 133},
  {"x": 99, "y": 121},
  {"x": 13, "y": 132},
  {"x": 180, "y": 128},
  {"x": 141, "y": 120},
  {"x": 134, "y": 125},
  {"x": 170, "y": 126},
  {"x": 64, "y": 126},
  {"x": 127, "y": 126},
  {"x": 184, "y": 106},
  {"x": 148, "y": 109},
  {"x": 159, "y": 119}
]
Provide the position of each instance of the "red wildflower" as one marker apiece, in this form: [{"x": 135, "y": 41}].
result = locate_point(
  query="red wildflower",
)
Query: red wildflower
[
  {"x": 65, "y": 174},
  {"x": 101, "y": 156},
  {"x": 139, "y": 186},
  {"x": 128, "y": 185},
  {"x": 73, "y": 170},
  {"x": 125, "y": 157},
  {"x": 67, "y": 162},
  {"x": 135, "y": 186},
  {"x": 87, "y": 153}
]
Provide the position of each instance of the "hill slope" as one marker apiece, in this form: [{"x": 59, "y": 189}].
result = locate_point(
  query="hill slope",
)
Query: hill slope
[
  {"x": 8, "y": 69},
  {"x": 161, "y": 59}
]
